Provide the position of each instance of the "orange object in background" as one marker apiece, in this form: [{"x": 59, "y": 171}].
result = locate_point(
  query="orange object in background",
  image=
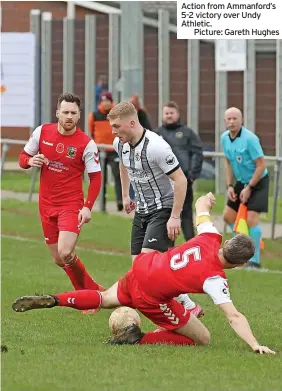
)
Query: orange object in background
[{"x": 241, "y": 226}]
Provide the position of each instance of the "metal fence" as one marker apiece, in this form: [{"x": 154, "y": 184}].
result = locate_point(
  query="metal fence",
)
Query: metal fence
[
  {"x": 142, "y": 55},
  {"x": 6, "y": 143},
  {"x": 71, "y": 53}
]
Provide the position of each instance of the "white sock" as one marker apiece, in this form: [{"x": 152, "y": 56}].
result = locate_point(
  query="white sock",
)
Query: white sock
[{"x": 185, "y": 300}]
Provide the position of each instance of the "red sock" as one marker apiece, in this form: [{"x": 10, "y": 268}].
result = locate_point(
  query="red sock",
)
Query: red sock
[
  {"x": 80, "y": 278},
  {"x": 80, "y": 300},
  {"x": 165, "y": 337}
]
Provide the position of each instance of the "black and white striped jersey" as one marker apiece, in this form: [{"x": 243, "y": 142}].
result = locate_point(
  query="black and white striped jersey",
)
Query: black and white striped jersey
[{"x": 148, "y": 164}]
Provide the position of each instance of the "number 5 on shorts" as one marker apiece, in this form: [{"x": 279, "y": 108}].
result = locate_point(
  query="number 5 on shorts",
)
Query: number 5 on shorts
[{"x": 176, "y": 263}]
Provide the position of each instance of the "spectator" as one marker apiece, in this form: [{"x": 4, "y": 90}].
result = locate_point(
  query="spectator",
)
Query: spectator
[
  {"x": 101, "y": 86},
  {"x": 187, "y": 147},
  {"x": 141, "y": 112},
  {"x": 101, "y": 131}
]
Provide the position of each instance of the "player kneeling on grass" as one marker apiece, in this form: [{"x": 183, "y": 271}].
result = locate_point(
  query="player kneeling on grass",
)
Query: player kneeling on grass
[{"x": 197, "y": 266}]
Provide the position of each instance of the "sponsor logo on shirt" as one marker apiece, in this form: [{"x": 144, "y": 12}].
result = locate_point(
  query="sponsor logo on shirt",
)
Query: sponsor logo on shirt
[
  {"x": 47, "y": 143},
  {"x": 139, "y": 174},
  {"x": 170, "y": 160},
  {"x": 57, "y": 166},
  {"x": 60, "y": 148},
  {"x": 71, "y": 153}
]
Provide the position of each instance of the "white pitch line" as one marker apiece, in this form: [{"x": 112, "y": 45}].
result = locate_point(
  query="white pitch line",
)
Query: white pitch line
[
  {"x": 20, "y": 238},
  {"x": 262, "y": 270}
]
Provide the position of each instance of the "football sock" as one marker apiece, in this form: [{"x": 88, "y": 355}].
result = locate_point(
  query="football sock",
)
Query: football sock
[
  {"x": 165, "y": 337},
  {"x": 231, "y": 226},
  {"x": 185, "y": 300},
  {"x": 255, "y": 234},
  {"x": 79, "y": 277},
  {"x": 80, "y": 300}
]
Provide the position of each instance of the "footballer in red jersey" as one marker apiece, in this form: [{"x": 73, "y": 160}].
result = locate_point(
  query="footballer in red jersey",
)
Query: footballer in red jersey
[
  {"x": 197, "y": 266},
  {"x": 62, "y": 151}
]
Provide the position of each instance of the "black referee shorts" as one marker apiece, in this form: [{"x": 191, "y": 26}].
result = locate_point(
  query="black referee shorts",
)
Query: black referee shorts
[
  {"x": 149, "y": 231},
  {"x": 258, "y": 201}
]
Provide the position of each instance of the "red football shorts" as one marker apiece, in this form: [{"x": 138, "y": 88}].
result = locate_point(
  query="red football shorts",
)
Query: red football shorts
[
  {"x": 55, "y": 220},
  {"x": 170, "y": 316}
]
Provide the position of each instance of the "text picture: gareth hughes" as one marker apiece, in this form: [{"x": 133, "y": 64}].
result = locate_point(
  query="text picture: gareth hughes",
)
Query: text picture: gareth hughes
[{"x": 217, "y": 20}]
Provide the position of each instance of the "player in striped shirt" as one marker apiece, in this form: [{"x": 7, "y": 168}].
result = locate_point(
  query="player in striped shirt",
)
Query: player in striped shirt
[{"x": 148, "y": 163}]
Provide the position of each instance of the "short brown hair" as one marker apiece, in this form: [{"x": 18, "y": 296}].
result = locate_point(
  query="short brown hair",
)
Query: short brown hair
[
  {"x": 122, "y": 110},
  {"x": 172, "y": 105},
  {"x": 70, "y": 98},
  {"x": 239, "y": 250}
]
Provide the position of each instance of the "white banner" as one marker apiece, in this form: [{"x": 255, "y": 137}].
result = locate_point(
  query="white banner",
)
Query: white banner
[
  {"x": 230, "y": 55},
  {"x": 17, "y": 79}
]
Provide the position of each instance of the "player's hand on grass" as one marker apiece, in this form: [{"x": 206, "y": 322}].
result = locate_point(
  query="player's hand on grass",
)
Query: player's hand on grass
[
  {"x": 128, "y": 204},
  {"x": 231, "y": 194},
  {"x": 84, "y": 216},
  {"x": 245, "y": 195},
  {"x": 173, "y": 227},
  {"x": 37, "y": 160},
  {"x": 263, "y": 350}
]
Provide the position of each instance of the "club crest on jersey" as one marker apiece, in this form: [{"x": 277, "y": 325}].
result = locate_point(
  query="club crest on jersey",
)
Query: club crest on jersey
[
  {"x": 71, "y": 152},
  {"x": 169, "y": 160},
  {"x": 60, "y": 148},
  {"x": 179, "y": 134},
  {"x": 239, "y": 159},
  {"x": 137, "y": 156}
]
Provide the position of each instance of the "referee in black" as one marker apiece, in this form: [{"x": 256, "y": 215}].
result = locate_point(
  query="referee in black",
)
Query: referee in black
[{"x": 187, "y": 147}]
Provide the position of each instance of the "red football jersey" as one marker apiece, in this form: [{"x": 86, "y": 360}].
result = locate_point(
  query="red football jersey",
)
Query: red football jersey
[
  {"x": 183, "y": 269},
  {"x": 66, "y": 159}
]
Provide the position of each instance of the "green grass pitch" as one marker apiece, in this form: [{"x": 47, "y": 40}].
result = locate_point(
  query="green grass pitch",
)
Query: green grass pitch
[{"x": 63, "y": 350}]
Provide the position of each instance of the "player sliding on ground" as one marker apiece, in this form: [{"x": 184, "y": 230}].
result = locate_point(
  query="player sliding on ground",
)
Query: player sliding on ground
[{"x": 197, "y": 266}]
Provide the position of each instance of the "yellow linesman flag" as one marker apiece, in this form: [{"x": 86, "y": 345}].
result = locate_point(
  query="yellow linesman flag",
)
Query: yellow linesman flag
[{"x": 241, "y": 225}]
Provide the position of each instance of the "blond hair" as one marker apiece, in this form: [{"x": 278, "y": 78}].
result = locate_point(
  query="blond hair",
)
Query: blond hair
[{"x": 122, "y": 110}]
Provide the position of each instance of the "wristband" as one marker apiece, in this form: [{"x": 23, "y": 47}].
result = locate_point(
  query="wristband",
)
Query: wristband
[
  {"x": 203, "y": 219},
  {"x": 177, "y": 218},
  {"x": 203, "y": 214}
]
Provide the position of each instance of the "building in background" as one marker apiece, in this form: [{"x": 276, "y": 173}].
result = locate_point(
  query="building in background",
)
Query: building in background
[{"x": 265, "y": 67}]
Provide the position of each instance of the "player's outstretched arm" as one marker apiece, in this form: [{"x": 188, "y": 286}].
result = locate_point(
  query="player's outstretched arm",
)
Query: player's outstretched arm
[
  {"x": 203, "y": 207},
  {"x": 205, "y": 203},
  {"x": 241, "y": 326}
]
